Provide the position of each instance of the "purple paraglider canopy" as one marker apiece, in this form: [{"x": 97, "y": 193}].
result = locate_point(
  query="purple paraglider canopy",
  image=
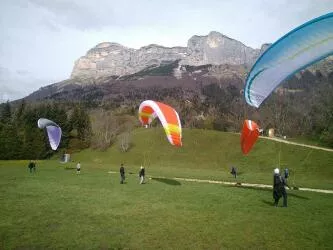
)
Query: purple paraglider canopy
[{"x": 53, "y": 131}]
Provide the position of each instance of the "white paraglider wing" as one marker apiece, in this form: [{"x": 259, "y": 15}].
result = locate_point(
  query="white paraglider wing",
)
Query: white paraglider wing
[{"x": 53, "y": 131}]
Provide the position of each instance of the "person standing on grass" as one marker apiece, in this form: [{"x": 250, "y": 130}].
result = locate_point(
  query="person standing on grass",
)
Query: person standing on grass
[
  {"x": 122, "y": 173},
  {"x": 78, "y": 168},
  {"x": 286, "y": 173},
  {"x": 234, "y": 172},
  {"x": 279, "y": 189},
  {"x": 34, "y": 166},
  {"x": 31, "y": 166},
  {"x": 142, "y": 175}
]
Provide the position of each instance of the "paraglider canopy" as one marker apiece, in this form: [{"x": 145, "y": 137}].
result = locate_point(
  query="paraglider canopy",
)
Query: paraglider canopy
[
  {"x": 53, "y": 131},
  {"x": 294, "y": 51},
  {"x": 249, "y": 135},
  {"x": 168, "y": 116}
]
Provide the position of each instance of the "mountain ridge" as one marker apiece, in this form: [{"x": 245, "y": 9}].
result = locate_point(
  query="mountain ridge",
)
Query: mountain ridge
[
  {"x": 208, "y": 58},
  {"x": 109, "y": 58}
]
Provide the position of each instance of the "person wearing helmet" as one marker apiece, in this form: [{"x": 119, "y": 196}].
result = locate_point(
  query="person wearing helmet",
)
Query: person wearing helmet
[{"x": 279, "y": 190}]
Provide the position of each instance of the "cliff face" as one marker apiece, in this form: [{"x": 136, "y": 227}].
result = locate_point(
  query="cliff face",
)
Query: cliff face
[
  {"x": 218, "y": 49},
  {"x": 108, "y": 59}
]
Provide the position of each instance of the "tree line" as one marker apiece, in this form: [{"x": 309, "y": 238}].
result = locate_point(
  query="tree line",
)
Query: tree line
[
  {"x": 301, "y": 107},
  {"x": 20, "y": 137}
]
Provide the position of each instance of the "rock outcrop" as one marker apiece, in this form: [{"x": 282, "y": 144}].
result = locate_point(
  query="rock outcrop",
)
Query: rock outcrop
[
  {"x": 107, "y": 59},
  {"x": 218, "y": 49}
]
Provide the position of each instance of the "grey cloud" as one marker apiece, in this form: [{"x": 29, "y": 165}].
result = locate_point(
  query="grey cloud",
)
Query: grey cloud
[
  {"x": 76, "y": 14},
  {"x": 92, "y": 15},
  {"x": 17, "y": 84},
  {"x": 50, "y": 25},
  {"x": 23, "y": 72},
  {"x": 4, "y": 73},
  {"x": 9, "y": 93}
]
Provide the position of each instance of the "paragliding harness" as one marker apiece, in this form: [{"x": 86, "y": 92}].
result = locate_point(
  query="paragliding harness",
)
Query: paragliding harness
[
  {"x": 278, "y": 186},
  {"x": 278, "y": 182}
]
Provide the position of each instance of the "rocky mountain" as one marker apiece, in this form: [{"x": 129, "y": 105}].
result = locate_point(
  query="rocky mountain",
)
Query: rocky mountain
[
  {"x": 107, "y": 59},
  {"x": 117, "y": 70},
  {"x": 218, "y": 49}
]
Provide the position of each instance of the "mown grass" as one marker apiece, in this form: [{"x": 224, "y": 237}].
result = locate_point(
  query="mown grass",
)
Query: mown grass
[
  {"x": 210, "y": 154},
  {"x": 56, "y": 208},
  {"x": 308, "y": 141}
]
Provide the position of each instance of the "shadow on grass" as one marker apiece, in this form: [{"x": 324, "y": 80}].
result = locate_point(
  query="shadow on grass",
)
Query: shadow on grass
[
  {"x": 270, "y": 203},
  {"x": 253, "y": 188},
  {"x": 270, "y": 190},
  {"x": 166, "y": 181},
  {"x": 298, "y": 196},
  {"x": 69, "y": 168}
]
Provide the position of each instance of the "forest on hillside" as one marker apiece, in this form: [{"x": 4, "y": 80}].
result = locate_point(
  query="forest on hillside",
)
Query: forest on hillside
[{"x": 302, "y": 107}]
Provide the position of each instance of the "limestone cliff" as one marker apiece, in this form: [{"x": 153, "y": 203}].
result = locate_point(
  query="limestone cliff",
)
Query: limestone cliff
[
  {"x": 107, "y": 59},
  {"x": 218, "y": 49}
]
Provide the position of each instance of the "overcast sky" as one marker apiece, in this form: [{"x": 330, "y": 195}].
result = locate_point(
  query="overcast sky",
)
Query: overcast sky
[{"x": 41, "y": 39}]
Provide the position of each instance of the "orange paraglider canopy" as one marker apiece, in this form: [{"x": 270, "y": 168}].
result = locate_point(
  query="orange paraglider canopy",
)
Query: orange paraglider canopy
[
  {"x": 249, "y": 135},
  {"x": 168, "y": 116}
]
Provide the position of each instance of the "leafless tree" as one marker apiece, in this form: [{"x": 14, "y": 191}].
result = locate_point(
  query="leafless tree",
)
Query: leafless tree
[
  {"x": 124, "y": 141},
  {"x": 105, "y": 130}
]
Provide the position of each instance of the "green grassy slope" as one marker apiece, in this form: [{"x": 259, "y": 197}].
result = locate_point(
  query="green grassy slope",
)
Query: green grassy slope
[{"x": 210, "y": 154}]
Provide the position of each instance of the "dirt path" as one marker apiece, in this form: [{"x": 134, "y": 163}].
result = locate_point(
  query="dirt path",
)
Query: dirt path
[
  {"x": 294, "y": 143},
  {"x": 234, "y": 183},
  {"x": 251, "y": 185}
]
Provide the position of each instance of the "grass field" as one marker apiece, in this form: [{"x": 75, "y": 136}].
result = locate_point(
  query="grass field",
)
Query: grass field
[
  {"x": 56, "y": 208},
  {"x": 210, "y": 155}
]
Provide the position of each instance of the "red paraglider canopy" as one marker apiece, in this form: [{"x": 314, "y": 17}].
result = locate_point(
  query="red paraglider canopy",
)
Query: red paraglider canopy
[{"x": 249, "y": 135}]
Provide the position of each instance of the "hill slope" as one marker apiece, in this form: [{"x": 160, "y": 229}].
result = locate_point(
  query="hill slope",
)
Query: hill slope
[{"x": 210, "y": 154}]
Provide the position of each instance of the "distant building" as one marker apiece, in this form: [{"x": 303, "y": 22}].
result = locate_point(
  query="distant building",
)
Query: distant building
[
  {"x": 271, "y": 132},
  {"x": 67, "y": 157}
]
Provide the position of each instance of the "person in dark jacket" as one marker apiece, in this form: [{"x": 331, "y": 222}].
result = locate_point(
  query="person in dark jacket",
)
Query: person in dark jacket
[
  {"x": 34, "y": 166},
  {"x": 286, "y": 173},
  {"x": 234, "y": 172},
  {"x": 31, "y": 166},
  {"x": 279, "y": 189},
  {"x": 122, "y": 174},
  {"x": 142, "y": 175}
]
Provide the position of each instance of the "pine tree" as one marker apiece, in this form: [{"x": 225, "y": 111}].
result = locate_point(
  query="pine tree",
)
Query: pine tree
[
  {"x": 80, "y": 123},
  {"x": 6, "y": 113},
  {"x": 10, "y": 143}
]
